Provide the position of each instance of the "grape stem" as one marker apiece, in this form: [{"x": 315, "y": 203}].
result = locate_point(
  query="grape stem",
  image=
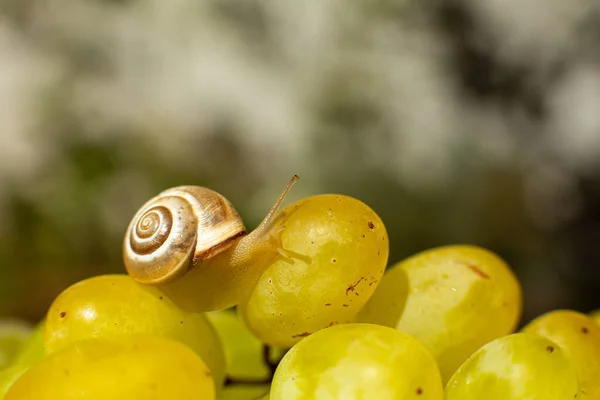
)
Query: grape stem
[{"x": 267, "y": 359}]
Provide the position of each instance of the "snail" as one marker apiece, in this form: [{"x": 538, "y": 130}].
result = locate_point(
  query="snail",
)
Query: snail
[{"x": 188, "y": 228}]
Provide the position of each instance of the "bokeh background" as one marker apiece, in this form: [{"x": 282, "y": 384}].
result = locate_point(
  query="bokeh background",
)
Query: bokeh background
[{"x": 467, "y": 121}]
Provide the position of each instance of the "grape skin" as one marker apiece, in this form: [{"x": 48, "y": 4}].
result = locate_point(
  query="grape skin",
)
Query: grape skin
[
  {"x": 124, "y": 368},
  {"x": 579, "y": 338},
  {"x": 115, "y": 305},
  {"x": 357, "y": 361},
  {"x": 454, "y": 299},
  {"x": 520, "y": 366},
  {"x": 339, "y": 247}
]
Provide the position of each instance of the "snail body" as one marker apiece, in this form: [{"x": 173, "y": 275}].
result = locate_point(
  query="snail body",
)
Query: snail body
[{"x": 192, "y": 239}]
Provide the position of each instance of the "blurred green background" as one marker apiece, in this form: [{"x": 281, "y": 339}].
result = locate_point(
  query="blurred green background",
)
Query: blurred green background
[{"x": 472, "y": 121}]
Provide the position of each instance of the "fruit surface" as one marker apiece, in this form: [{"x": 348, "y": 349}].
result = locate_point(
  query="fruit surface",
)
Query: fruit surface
[
  {"x": 13, "y": 333},
  {"x": 579, "y": 338},
  {"x": 132, "y": 367},
  {"x": 520, "y": 366},
  {"x": 357, "y": 361},
  {"x": 115, "y": 305},
  {"x": 454, "y": 299},
  {"x": 338, "y": 250}
]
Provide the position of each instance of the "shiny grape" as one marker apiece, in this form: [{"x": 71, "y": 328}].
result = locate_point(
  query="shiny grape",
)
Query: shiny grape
[
  {"x": 338, "y": 250},
  {"x": 579, "y": 338},
  {"x": 453, "y": 299},
  {"x": 115, "y": 305},
  {"x": 123, "y": 368},
  {"x": 357, "y": 361},
  {"x": 520, "y": 366}
]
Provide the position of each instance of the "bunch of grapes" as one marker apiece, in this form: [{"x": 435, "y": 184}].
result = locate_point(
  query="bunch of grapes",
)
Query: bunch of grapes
[{"x": 303, "y": 307}]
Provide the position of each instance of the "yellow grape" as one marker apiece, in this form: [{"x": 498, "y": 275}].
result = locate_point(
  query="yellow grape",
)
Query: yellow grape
[
  {"x": 520, "y": 366},
  {"x": 357, "y": 362},
  {"x": 115, "y": 305},
  {"x": 454, "y": 299},
  {"x": 579, "y": 338},
  {"x": 123, "y": 368},
  {"x": 339, "y": 250}
]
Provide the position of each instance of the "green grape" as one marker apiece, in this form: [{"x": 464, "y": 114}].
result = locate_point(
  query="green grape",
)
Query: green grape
[
  {"x": 244, "y": 353},
  {"x": 13, "y": 333},
  {"x": 244, "y": 392},
  {"x": 357, "y": 361},
  {"x": 454, "y": 299},
  {"x": 339, "y": 250},
  {"x": 579, "y": 338},
  {"x": 520, "y": 366},
  {"x": 115, "y": 305},
  {"x": 123, "y": 368}
]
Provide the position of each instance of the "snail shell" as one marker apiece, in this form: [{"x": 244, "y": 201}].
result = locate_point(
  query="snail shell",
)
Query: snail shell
[{"x": 176, "y": 230}]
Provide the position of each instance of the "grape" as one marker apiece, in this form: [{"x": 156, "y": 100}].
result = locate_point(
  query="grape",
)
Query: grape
[
  {"x": 579, "y": 338},
  {"x": 339, "y": 250},
  {"x": 130, "y": 367},
  {"x": 13, "y": 334},
  {"x": 357, "y": 361},
  {"x": 520, "y": 366},
  {"x": 245, "y": 354},
  {"x": 454, "y": 299},
  {"x": 116, "y": 305}
]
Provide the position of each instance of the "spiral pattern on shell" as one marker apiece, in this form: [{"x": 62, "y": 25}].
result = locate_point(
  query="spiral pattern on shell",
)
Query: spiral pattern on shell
[{"x": 176, "y": 230}]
